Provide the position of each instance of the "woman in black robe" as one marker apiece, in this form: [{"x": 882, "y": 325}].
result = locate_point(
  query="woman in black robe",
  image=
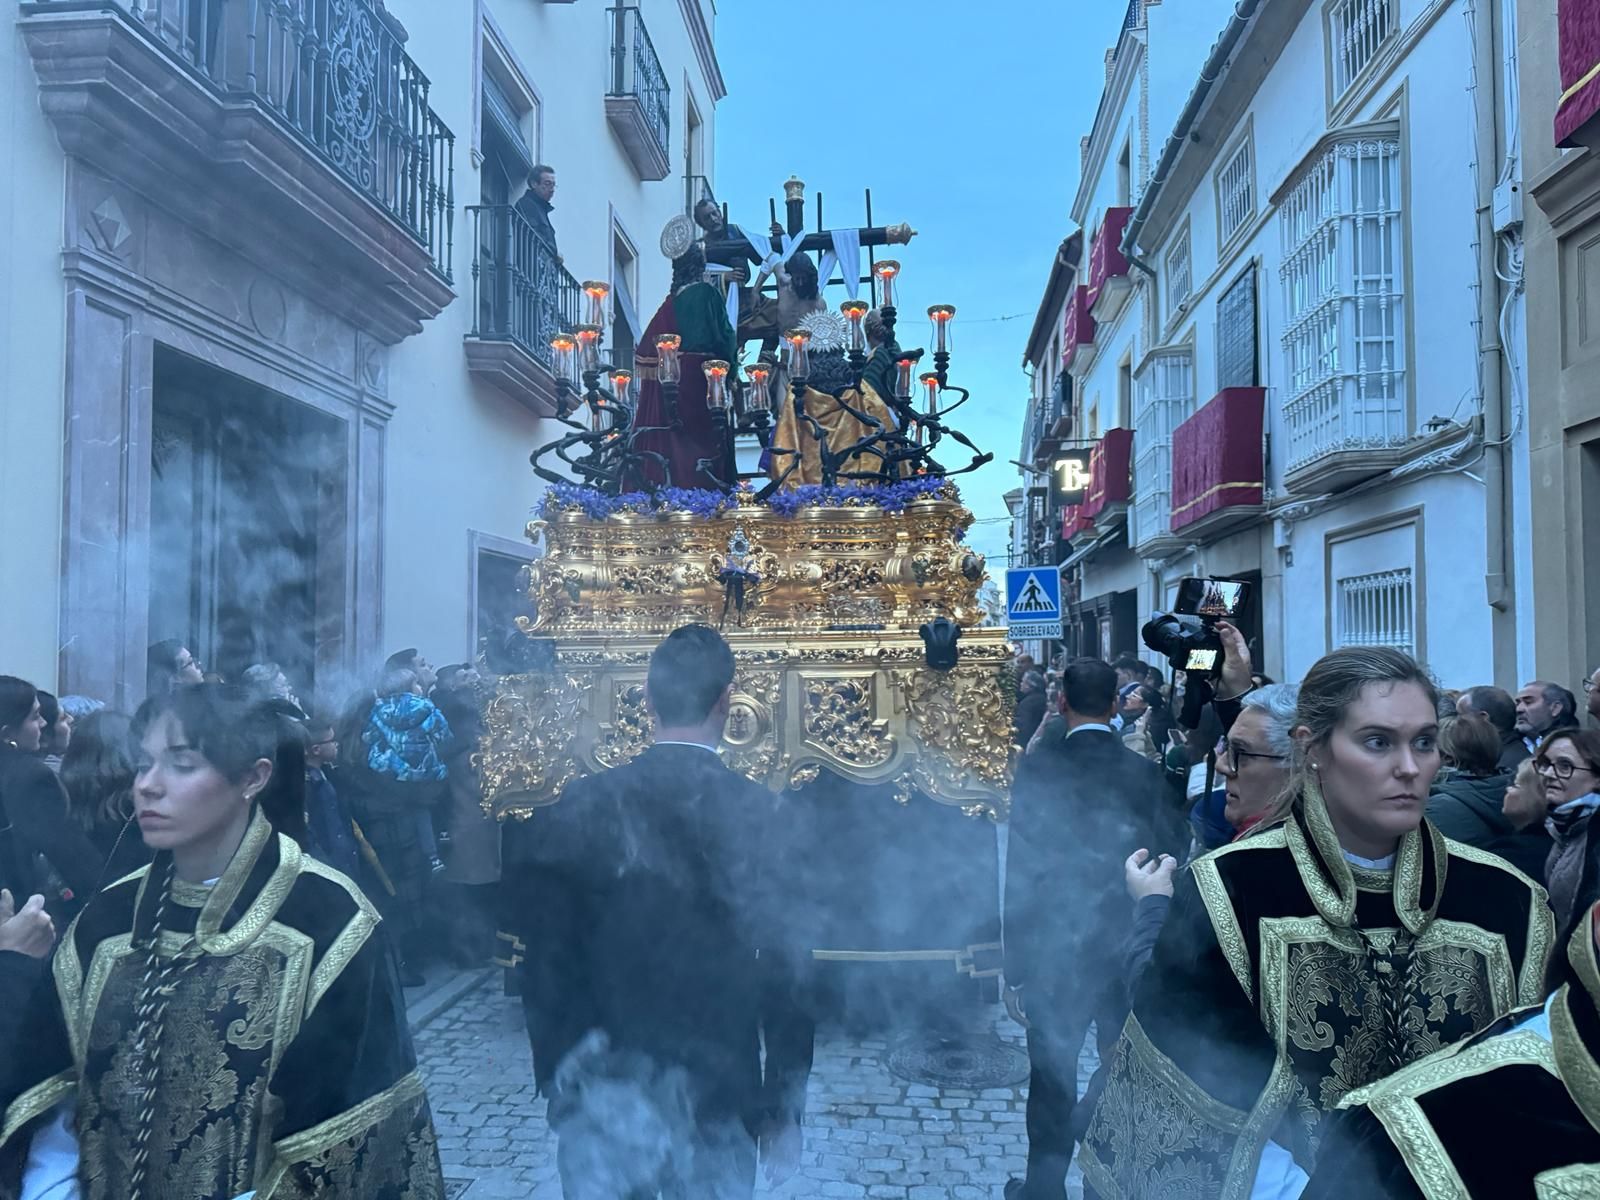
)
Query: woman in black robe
[
  {"x": 1331, "y": 947},
  {"x": 225, "y": 1020}
]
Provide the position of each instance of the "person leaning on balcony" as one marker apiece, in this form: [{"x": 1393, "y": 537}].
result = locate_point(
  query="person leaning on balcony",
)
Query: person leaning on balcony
[{"x": 535, "y": 205}]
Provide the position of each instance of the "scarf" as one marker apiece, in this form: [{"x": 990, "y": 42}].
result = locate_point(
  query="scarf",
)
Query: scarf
[{"x": 1569, "y": 826}]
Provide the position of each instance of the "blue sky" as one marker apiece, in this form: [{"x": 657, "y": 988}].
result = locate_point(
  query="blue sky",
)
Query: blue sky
[{"x": 964, "y": 120}]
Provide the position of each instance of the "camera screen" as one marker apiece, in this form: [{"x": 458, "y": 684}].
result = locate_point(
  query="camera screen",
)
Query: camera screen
[
  {"x": 1201, "y": 660},
  {"x": 1212, "y": 597}
]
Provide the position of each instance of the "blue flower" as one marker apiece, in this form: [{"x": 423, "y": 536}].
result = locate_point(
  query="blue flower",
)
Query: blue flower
[{"x": 707, "y": 503}]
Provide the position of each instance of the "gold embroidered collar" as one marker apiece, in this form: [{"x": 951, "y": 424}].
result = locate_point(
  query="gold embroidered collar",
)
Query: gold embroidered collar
[
  {"x": 1333, "y": 882},
  {"x": 1575, "y": 1058},
  {"x": 217, "y": 901}
]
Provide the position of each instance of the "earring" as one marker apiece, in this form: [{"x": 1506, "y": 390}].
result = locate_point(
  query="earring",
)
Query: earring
[{"x": 1316, "y": 766}]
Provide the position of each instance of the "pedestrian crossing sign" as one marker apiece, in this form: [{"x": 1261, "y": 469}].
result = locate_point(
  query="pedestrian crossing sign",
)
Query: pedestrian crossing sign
[{"x": 1033, "y": 602}]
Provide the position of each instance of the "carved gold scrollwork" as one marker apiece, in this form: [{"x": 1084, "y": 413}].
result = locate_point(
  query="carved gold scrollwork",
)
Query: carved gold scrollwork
[
  {"x": 529, "y": 752},
  {"x": 627, "y": 732},
  {"x": 839, "y": 717}
]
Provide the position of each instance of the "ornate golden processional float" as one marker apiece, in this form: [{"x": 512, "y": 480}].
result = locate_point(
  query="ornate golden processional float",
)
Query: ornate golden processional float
[{"x": 864, "y": 684}]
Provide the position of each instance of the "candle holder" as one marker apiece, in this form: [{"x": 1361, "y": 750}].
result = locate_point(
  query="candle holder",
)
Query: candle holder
[
  {"x": 902, "y": 378},
  {"x": 941, "y": 315},
  {"x": 563, "y": 357},
  {"x": 599, "y": 413},
  {"x": 589, "y": 353},
  {"x": 667, "y": 366},
  {"x": 855, "y": 312},
  {"x": 622, "y": 384},
  {"x": 758, "y": 396},
  {"x": 596, "y": 292},
  {"x": 716, "y": 373},
  {"x": 931, "y": 384},
  {"x": 887, "y": 272},
  {"x": 798, "y": 356}
]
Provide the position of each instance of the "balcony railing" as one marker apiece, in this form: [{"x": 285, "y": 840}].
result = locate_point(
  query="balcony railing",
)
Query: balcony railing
[
  {"x": 1218, "y": 479},
  {"x": 519, "y": 291},
  {"x": 334, "y": 72},
  {"x": 639, "y": 100}
]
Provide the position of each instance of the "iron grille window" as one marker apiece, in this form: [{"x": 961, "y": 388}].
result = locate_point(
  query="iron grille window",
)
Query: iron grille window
[
  {"x": 1180, "y": 280},
  {"x": 1357, "y": 30},
  {"x": 1236, "y": 193},
  {"x": 1237, "y": 362},
  {"x": 1379, "y": 609},
  {"x": 1343, "y": 335}
]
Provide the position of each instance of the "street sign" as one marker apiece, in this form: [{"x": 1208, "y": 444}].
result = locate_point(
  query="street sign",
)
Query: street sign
[{"x": 1033, "y": 602}]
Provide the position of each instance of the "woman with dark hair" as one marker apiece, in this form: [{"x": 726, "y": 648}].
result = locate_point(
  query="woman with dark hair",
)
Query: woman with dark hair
[
  {"x": 57, "y": 735},
  {"x": 97, "y": 774},
  {"x": 1315, "y": 956},
  {"x": 168, "y": 664},
  {"x": 694, "y": 311},
  {"x": 40, "y": 849},
  {"x": 226, "y": 1020},
  {"x": 1568, "y": 763},
  {"x": 1470, "y": 806}
]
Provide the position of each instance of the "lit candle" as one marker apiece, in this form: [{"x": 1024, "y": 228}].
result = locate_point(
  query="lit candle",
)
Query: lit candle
[
  {"x": 599, "y": 415},
  {"x": 854, "y": 312},
  {"x": 596, "y": 290},
  {"x": 902, "y": 379},
  {"x": 887, "y": 271},
  {"x": 930, "y": 386},
  {"x": 588, "y": 347},
  {"x": 667, "y": 347},
  {"x": 799, "y": 359},
  {"x": 716, "y": 371},
  {"x": 621, "y": 384},
  {"x": 759, "y": 396},
  {"x": 563, "y": 349},
  {"x": 941, "y": 315}
]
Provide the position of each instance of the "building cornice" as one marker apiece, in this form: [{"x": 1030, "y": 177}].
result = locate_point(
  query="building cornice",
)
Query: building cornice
[
  {"x": 1113, "y": 101},
  {"x": 694, "y": 20},
  {"x": 1063, "y": 274}
]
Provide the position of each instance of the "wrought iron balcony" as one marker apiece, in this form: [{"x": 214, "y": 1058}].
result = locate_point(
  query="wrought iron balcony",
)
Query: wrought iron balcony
[
  {"x": 521, "y": 297},
  {"x": 268, "y": 85},
  {"x": 639, "y": 102},
  {"x": 1218, "y": 464}
]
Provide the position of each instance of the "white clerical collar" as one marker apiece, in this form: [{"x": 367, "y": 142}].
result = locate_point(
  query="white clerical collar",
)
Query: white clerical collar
[
  {"x": 696, "y": 745},
  {"x": 1386, "y": 863},
  {"x": 1095, "y": 725}
]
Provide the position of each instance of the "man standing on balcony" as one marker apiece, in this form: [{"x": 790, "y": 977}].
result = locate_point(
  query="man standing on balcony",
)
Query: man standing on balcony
[{"x": 535, "y": 205}]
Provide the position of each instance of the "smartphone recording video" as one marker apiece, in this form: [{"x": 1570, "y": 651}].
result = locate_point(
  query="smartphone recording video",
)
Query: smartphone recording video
[{"x": 1214, "y": 598}]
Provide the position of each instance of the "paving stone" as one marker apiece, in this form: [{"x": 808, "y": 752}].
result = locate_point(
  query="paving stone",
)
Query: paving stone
[{"x": 868, "y": 1134}]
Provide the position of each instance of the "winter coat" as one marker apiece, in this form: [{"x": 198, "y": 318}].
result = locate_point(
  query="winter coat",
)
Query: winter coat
[
  {"x": 405, "y": 738},
  {"x": 1574, "y": 865},
  {"x": 1470, "y": 809},
  {"x": 41, "y": 849}
]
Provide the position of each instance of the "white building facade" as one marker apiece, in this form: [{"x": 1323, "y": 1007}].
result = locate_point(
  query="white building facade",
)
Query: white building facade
[
  {"x": 276, "y": 330},
  {"x": 1320, "y": 401}
]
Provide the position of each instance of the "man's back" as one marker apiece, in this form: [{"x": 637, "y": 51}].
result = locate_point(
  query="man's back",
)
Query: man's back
[{"x": 1079, "y": 807}]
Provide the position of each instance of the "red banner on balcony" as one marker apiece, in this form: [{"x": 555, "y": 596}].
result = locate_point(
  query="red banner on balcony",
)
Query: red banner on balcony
[
  {"x": 1578, "y": 37},
  {"x": 1078, "y": 329},
  {"x": 1216, "y": 456},
  {"x": 1106, "y": 260},
  {"x": 1109, "y": 479}
]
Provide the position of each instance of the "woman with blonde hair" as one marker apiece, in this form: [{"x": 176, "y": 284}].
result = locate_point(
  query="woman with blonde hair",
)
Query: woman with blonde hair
[{"x": 1315, "y": 956}]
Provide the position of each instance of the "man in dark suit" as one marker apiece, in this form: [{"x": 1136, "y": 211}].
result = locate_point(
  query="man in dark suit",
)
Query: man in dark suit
[
  {"x": 662, "y": 950},
  {"x": 1079, "y": 806}
]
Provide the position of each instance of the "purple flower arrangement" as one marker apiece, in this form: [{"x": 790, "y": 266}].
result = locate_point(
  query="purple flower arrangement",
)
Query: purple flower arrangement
[{"x": 707, "y": 503}]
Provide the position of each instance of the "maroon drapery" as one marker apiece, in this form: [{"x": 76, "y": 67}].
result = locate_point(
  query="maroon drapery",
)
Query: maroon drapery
[
  {"x": 1078, "y": 328},
  {"x": 1106, "y": 260},
  {"x": 1217, "y": 457},
  {"x": 1578, "y": 37},
  {"x": 698, "y": 438},
  {"x": 1109, "y": 464}
]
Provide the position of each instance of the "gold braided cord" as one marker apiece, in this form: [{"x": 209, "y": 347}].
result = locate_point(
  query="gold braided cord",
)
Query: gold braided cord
[{"x": 36, "y": 1101}]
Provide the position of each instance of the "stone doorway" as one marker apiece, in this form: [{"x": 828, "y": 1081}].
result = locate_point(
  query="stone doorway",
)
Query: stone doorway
[{"x": 248, "y": 519}]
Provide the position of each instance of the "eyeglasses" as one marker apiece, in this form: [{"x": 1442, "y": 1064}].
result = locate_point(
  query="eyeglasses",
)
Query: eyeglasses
[
  {"x": 1588, "y": 685},
  {"x": 1231, "y": 752},
  {"x": 1561, "y": 768}
]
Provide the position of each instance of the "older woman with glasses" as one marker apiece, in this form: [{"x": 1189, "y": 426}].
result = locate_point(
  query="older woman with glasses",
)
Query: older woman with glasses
[{"x": 1568, "y": 763}]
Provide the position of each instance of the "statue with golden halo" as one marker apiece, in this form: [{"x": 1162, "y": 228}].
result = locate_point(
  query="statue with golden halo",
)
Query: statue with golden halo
[{"x": 834, "y": 567}]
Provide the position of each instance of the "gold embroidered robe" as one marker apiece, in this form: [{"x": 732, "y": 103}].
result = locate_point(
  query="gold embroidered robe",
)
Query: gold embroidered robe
[
  {"x": 842, "y": 427},
  {"x": 285, "y": 1061},
  {"x": 1512, "y": 1113},
  {"x": 1284, "y": 979}
]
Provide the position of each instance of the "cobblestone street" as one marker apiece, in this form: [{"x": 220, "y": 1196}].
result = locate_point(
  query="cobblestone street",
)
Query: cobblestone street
[{"x": 868, "y": 1133}]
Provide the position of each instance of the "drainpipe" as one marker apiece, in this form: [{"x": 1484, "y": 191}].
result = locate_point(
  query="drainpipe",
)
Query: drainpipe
[
  {"x": 1243, "y": 10},
  {"x": 1487, "y": 110}
]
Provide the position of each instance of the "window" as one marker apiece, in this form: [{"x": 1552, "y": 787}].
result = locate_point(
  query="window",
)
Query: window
[
  {"x": 1180, "y": 281},
  {"x": 1378, "y": 609},
  {"x": 1343, "y": 338},
  {"x": 1125, "y": 395},
  {"x": 1236, "y": 192},
  {"x": 1166, "y": 400},
  {"x": 626, "y": 328},
  {"x": 1125, "y": 175},
  {"x": 1236, "y": 334},
  {"x": 499, "y": 596},
  {"x": 1357, "y": 30}
]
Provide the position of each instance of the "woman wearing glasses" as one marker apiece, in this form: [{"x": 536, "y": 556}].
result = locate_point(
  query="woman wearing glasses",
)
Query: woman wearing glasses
[
  {"x": 1568, "y": 763},
  {"x": 1339, "y": 940}
]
